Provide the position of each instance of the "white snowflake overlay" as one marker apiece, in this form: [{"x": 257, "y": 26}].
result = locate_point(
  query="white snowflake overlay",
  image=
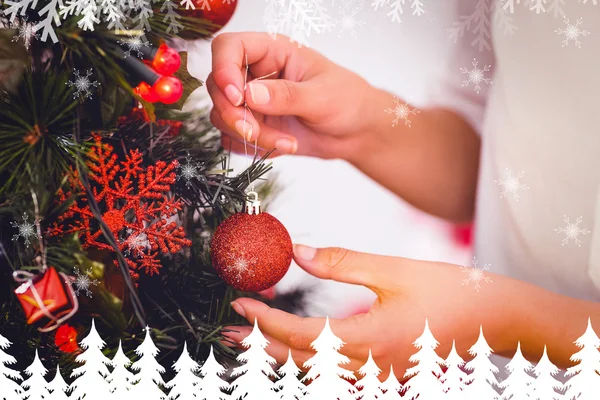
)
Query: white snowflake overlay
[
  {"x": 26, "y": 32},
  {"x": 115, "y": 13},
  {"x": 501, "y": 12},
  {"x": 239, "y": 267},
  {"x": 83, "y": 84},
  {"x": 134, "y": 45},
  {"x": 572, "y": 32},
  {"x": 297, "y": 18},
  {"x": 26, "y": 230},
  {"x": 136, "y": 244},
  {"x": 476, "y": 76},
  {"x": 189, "y": 171},
  {"x": 572, "y": 231},
  {"x": 82, "y": 282},
  {"x": 476, "y": 275},
  {"x": 401, "y": 111},
  {"x": 511, "y": 184},
  {"x": 348, "y": 20},
  {"x": 397, "y": 8}
]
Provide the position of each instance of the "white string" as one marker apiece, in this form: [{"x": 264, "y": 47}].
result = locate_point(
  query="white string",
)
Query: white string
[{"x": 246, "y": 111}]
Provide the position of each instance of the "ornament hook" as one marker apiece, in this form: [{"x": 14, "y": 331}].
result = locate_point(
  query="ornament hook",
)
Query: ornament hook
[{"x": 252, "y": 203}]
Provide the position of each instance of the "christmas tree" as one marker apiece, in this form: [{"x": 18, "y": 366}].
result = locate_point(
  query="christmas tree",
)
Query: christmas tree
[
  {"x": 36, "y": 384},
  {"x": 107, "y": 183},
  {"x": 517, "y": 385},
  {"x": 211, "y": 385},
  {"x": 453, "y": 380},
  {"x": 254, "y": 376},
  {"x": 58, "y": 387},
  {"x": 585, "y": 376},
  {"x": 289, "y": 386},
  {"x": 120, "y": 378},
  {"x": 391, "y": 387},
  {"x": 424, "y": 377},
  {"x": 481, "y": 382},
  {"x": 146, "y": 383},
  {"x": 186, "y": 383},
  {"x": 8, "y": 377},
  {"x": 545, "y": 385},
  {"x": 369, "y": 384},
  {"x": 93, "y": 372},
  {"x": 328, "y": 381}
]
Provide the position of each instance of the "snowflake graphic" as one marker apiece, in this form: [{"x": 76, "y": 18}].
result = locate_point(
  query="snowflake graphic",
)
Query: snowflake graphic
[
  {"x": 397, "y": 8},
  {"x": 136, "y": 206},
  {"x": 476, "y": 76},
  {"x": 401, "y": 111},
  {"x": 572, "y": 231},
  {"x": 26, "y": 33},
  {"x": 189, "y": 171},
  {"x": 511, "y": 184},
  {"x": 297, "y": 18},
  {"x": 83, "y": 85},
  {"x": 348, "y": 21},
  {"x": 83, "y": 282},
  {"x": 134, "y": 45},
  {"x": 239, "y": 267},
  {"x": 572, "y": 32},
  {"x": 476, "y": 274},
  {"x": 26, "y": 230}
]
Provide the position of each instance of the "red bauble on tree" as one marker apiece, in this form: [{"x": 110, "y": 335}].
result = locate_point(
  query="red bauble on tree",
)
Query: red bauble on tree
[
  {"x": 251, "y": 250},
  {"x": 66, "y": 339},
  {"x": 219, "y": 12}
]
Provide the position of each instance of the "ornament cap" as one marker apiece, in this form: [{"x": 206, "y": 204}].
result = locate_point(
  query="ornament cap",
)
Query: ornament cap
[{"x": 252, "y": 203}]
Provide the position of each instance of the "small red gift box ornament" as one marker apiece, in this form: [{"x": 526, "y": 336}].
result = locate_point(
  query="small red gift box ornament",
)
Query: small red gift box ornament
[{"x": 47, "y": 297}]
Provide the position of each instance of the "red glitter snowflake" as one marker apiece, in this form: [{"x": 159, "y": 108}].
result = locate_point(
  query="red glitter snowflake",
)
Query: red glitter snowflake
[{"x": 137, "y": 208}]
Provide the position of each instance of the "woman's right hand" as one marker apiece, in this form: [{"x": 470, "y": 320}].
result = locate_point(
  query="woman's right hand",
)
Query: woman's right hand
[{"x": 309, "y": 106}]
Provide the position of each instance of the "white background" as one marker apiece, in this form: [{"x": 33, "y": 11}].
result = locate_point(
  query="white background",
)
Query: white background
[{"x": 329, "y": 203}]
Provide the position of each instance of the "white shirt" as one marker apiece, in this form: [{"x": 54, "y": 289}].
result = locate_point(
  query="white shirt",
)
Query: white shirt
[{"x": 540, "y": 115}]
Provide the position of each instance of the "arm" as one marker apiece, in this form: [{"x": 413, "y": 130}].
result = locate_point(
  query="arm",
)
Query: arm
[{"x": 432, "y": 164}]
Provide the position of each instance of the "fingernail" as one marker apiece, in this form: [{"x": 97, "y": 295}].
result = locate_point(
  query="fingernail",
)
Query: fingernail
[
  {"x": 233, "y": 95},
  {"x": 238, "y": 309},
  {"x": 286, "y": 146},
  {"x": 244, "y": 128},
  {"x": 259, "y": 93},
  {"x": 304, "y": 252}
]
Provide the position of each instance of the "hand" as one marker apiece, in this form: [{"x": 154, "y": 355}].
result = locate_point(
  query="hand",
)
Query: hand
[
  {"x": 309, "y": 106},
  {"x": 408, "y": 292}
]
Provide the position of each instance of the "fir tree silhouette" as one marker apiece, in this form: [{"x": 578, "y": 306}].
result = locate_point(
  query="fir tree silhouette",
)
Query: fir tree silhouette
[
  {"x": 211, "y": 385},
  {"x": 543, "y": 388},
  {"x": 36, "y": 384},
  {"x": 453, "y": 380},
  {"x": 328, "y": 381},
  {"x": 120, "y": 378},
  {"x": 585, "y": 378},
  {"x": 391, "y": 387},
  {"x": 370, "y": 385},
  {"x": 58, "y": 387},
  {"x": 289, "y": 387},
  {"x": 91, "y": 376},
  {"x": 517, "y": 385},
  {"x": 146, "y": 383},
  {"x": 186, "y": 382},
  {"x": 480, "y": 385},
  {"x": 254, "y": 377},
  {"x": 8, "y": 377},
  {"x": 424, "y": 377}
]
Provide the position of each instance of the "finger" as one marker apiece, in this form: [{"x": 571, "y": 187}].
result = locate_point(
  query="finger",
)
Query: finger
[
  {"x": 229, "y": 51},
  {"x": 378, "y": 273},
  {"x": 237, "y": 119},
  {"x": 284, "y": 97},
  {"x": 299, "y": 333}
]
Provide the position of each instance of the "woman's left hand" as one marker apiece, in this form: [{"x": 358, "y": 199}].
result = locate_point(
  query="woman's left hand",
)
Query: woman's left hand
[{"x": 408, "y": 292}]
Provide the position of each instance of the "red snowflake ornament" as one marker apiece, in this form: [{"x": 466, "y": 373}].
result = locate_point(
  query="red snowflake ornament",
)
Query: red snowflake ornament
[{"x": 137, "y": 208}]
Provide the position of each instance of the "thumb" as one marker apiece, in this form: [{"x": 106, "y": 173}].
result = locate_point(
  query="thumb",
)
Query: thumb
[
  {"x": 280, "y": 97},
  {"x": 342, "y": 265}
]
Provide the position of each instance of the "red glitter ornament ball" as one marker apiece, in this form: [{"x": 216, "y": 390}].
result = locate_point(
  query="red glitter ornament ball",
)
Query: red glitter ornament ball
[
  {"x": 218, "y": 12},
  {"x": 251, "y": 252}
]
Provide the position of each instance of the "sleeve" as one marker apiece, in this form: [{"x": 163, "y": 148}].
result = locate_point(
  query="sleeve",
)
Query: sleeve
[{"x": 468, "y": 41}]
